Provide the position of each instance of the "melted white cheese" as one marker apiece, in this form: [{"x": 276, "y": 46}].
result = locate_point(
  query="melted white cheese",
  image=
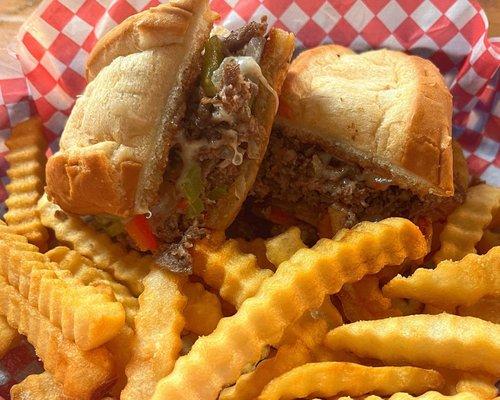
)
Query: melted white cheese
[
  {"x": 250, "y": 69},
  {"x": 190, "y": 149}
]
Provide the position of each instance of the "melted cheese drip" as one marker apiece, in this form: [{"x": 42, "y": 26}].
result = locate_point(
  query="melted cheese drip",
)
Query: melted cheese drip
[
  {"x": 251, "y": 70},
  {"x": 190, "y": 149}
]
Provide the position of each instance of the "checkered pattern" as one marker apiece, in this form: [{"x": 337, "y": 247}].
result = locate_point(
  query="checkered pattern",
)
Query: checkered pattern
[
  {"x": 48, "y": 73},
  {"x": 452, "y": 34}
]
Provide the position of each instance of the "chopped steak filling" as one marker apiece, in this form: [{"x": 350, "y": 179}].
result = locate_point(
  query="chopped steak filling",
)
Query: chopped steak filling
[
  {"x": 310, "y": 183},
  {"x": 219, "y": 134},
  {"x": 239, "y": 38}
]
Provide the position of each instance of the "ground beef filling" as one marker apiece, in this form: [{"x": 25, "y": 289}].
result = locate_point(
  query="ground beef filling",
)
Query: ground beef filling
[
  {"x": 303, "y": 178},
  {"x": 225, "y": 122},
  {"x": 219, "y": 134}
]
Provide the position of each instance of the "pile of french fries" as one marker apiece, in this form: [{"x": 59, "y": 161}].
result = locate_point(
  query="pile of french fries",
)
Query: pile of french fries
[{"x": 375, "y": 312}]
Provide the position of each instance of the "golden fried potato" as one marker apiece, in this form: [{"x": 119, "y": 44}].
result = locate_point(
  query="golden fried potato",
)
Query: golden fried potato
[
  {"x": 85, "y": 314},
  {"x": 38, "y": 387},
  {"x": 363, "y": 300},
  {"x": 127, "y": 267},
  {"x": 234, "y": 274},
  {"x": 465, "y": 226},
  {"x": 429, "y": 341},
  {"x": 299, "y": 284},
  {"x": 82, "y": 374},
  {"x": 250, "y": 385},
  {"x": 488, "y": 308},
  {"x": 451, "y": 283},
  {"x": 158, "y": 323},
  {"x": 203, "y": 309},
  {"x": 27, "y": 160},
  {"x": 86, "y": 272},
  {"x": 327, "y": 379},
  {"x": 280, "y": 248}
]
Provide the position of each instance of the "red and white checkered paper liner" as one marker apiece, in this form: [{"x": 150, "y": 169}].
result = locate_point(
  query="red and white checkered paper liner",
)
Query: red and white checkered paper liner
[{"x": 45, "y": 74}]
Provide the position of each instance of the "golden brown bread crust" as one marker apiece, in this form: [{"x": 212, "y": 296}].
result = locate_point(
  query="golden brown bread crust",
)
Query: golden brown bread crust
[
  {"x": 155, "y": 27},
  {"x": 382, "y": 109},
  {"x": 91, "y": 173},
  {"x": 111, "y": 160},
  {"x": 274, "y": 64}
]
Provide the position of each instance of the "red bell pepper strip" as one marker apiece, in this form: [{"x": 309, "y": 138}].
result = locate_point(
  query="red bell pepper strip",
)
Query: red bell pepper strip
[{"x": 139, "y": 230}]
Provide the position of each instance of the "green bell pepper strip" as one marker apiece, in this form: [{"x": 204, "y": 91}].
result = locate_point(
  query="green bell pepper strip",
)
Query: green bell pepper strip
[
  {"x": 191, "y": 186},
  {"x": 217, "y": 192},
  {"x": 214, "y": 54}
]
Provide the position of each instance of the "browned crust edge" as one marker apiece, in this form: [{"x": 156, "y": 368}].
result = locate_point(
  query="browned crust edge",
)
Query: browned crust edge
[
  {"x": 89, "y": 183},
  {"x": 426, "y": 163},
  {"x": 111, "y": 189}
]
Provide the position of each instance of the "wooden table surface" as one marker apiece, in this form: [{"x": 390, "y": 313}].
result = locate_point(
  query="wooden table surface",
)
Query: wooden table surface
[{"x": 14, "y": 12}]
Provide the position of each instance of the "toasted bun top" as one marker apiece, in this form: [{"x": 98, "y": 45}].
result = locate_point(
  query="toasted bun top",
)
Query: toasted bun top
[
  {"x": 156, "y": 27},
  {"x": 115, "y": 144},
  {"x": 382, "y": 109}
]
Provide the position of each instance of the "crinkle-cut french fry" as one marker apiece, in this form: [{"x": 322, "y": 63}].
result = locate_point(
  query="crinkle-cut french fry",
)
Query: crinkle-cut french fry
[
  {"x": 331, "y": 378},
  {"x": 309, "y": 329},
  {"x": 236, "y": 275},
  {"x": 203, "y": 310},
  {"x": 82, "y": 374},
  {"x": 159, "y": 323},
  {"x": 488, "y": 240},
  {"x": 85, "y": 314},
  {"x": 12, "y": 241},
  {"x": 8, "y": 336},
  {"x": 431, "y": 395},
  {"x": 41, "y": 386},
  {"x": 121, "y": 347},
  {"x": 487, "y": 308},
  {"x": 451, "y": 283},
  {"x": 257, "y": 247},
  {"x": 299, "y": 284},
  {"x": 481, "y": 385},
  {"x": 300, "y": 344},
  {"x": 328, "y": 312},
  {"x": 280, "y": 248},
  {"x": 84, "y": 270},
  {"x": 27, "y": 177},
  {"x": 250, "y": 385},
  {"x": 443, "y": 340},
  {"x": 126, "y": 267},
  {"x": 464, "y": 227},
  {"x": 8, "y": 233},
  {"x": 17, "y": 257},
  {"x": 38, "y": 387},
  {"x": 363, "y": 300}
]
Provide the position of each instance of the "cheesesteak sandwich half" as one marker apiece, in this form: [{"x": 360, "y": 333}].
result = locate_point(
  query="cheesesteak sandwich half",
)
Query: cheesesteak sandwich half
[
  {"x": 168, "y": 136},
  {"x": 359, "y": 137}
]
